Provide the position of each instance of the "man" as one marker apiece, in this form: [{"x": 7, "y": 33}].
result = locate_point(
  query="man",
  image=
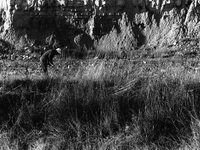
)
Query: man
[{"x": 47, "y": 59}]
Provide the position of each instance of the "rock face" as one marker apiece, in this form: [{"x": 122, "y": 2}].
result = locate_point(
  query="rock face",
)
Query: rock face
[
  {"x": 155, "y": 22},
  {"x": 165, "y": 22}
]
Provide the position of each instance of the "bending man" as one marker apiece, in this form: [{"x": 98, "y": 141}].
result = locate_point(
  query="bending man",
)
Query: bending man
[{"x": 47, "y": 59}]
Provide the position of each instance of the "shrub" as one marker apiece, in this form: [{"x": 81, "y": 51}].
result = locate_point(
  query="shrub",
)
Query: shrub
[{"x": 114, "y": 43}]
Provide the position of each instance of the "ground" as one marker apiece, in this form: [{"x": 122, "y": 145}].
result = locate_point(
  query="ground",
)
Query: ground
[{"x": 110, "y": 103}]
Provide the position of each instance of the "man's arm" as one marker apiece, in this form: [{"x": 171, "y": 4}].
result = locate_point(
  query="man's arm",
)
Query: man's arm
[
  {"x": 50, "y": 60},
  {"x": 51, "y": 56}
]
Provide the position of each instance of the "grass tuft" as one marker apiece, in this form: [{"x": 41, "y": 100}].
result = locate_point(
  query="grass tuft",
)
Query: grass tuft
[{"x": 102, "y": 104}]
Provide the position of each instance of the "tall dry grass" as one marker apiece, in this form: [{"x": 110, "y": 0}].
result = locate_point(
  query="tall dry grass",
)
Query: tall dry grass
[{"x": 103, "y": 104}]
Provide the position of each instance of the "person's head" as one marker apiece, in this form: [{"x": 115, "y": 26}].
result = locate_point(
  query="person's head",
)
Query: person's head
[{"x": 58, "y": 50}]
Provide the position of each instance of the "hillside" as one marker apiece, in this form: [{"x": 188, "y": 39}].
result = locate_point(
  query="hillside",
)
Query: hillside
[{"x": 155, "y": 23}]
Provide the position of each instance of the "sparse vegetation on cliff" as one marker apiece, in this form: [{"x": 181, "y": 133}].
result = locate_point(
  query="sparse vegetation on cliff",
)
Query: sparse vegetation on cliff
[{"x": 118, "y": 43}]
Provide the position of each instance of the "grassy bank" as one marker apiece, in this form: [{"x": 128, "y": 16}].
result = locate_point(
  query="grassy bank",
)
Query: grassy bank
[{"x": 101, "y": 104}]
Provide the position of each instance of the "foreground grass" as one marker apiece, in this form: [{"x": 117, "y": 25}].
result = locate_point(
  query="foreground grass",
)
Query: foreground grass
[{"x": 101, "y": 104}]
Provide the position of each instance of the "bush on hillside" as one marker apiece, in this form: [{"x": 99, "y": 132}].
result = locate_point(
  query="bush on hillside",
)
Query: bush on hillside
[{"x": 116, "y": 43}]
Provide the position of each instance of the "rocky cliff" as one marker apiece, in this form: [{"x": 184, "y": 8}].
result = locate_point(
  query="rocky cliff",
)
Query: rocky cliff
[
  {"x": 155, "y": 22},
  {"x": 166, "y": 22}
]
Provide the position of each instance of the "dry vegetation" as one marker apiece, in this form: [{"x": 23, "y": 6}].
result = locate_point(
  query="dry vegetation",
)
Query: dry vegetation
[{"x": 103, "y": 104}]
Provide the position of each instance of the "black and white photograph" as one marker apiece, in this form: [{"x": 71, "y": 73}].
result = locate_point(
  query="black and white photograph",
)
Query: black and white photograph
[{"x": 99, "y": 74}]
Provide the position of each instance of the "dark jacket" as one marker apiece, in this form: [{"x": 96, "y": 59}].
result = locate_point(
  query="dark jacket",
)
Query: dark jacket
[{"x": 47, "y": 57}]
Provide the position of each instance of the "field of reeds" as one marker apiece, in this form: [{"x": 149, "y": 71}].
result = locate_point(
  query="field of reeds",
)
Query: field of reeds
[
  {"x": 123, "y": 98},
  {"x": 101, "y": 104}
]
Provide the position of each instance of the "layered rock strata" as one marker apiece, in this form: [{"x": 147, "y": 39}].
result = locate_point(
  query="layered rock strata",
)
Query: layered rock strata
[{"x": 156, "y": 22}]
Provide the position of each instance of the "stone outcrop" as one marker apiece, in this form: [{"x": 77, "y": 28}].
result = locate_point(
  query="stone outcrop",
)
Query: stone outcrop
[
  {"x": 155, "y": 22},
  {"x": 168, "y": 22}
]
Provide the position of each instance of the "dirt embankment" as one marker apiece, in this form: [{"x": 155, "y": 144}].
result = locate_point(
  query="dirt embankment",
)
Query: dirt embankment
[{"x": 156, "y": 23}]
